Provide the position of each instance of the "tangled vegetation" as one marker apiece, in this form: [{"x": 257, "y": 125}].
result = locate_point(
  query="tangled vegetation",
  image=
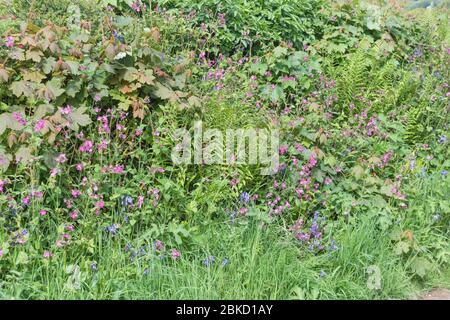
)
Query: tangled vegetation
[{"x": 92, "y": 205}]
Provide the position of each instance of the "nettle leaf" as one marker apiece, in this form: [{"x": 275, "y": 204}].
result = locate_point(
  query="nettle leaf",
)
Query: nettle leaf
[
  {"x": 4, "y": 75},
  {"x": 78, "y": 118},
  {"x": 35, "y": 55},
  {"x": 23, "y": 155},
  {"x": 22, "y": 87}
]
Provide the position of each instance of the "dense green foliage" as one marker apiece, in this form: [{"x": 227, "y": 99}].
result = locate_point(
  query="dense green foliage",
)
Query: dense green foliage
[{"x": 92, "y": 205}]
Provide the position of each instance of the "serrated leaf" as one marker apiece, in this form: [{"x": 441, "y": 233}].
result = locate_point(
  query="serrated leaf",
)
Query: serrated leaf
[
  {"x": 23, "y": 155},
  {"x": 35, "y": 55},
  {"x": 78, "y": 118},
  {"x": 4, "y": 76},
  {"x": 22, "y": 88},
  {"x": 5, "y": 160}
]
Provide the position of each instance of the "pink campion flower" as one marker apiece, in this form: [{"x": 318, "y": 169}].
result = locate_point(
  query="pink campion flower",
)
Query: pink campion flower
[
  {"x": 79, "y": 167},
  {"x": 9, "y": 42},
  {"x": 40, "y": 124},
  {"x": 43, "y": 212},
  {"x": 1, "y": 253},
  {"x": 140, "y": 201},
  {"x": 243, "y": 210},
  {"x": 328, "y": 181},
  {"x": 158, "y": 245},
  {"x": 2, "y": 185},
  {"x": 70, "y": 227},
  {"x": 74, "y": 215},
  {"x": 175, "y": 253},
  {"x": 87, "y": 146},
  {"x": 283, "y": 149},
  {"x": 76, "y": 193},
  {"x": 26, "y": 200},
  {"x": 54, "y": 172},
  {"x": 47, "y": 254},
  {"x": 97, "y": 98},
  {"x": 103, "y": 145},
  {"x": 18, "y": 117},
  {"x": 66, "y": 110},
  {"x": 119, "y": 169},
  {"x": 138, "y": 132},
  {"x": 61, "y": 158}
]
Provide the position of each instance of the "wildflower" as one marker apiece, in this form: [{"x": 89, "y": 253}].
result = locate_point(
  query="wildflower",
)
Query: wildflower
[
  {"x": 146, "y": 271},
  {"x": 158, "y": 245},
  {"x": 437, "y": 217},
  {"x": 1, "y": 253},
  {"x": 43, "y": 212},
  {"x": 94, "y": 266},
  {"x": 442, "y": 139},
  {"x": 66, "y": 110},
  {"x": 112, "y": 229},
  {"x": 209, "y": 260},
  {"x": 333, "y": 246},
  {"x": 126, "y": 201},
  {"x": 18, "y": 117},
  {"x": 47, "y": 254},
  {"x": 175, "y": 254},
  {"x": 54, "y": 172},
  {"x": 61, "y": 158},
  {"x": 140, "y": 201},
  {"x": 2, "y": 184},
  {"x": 444, "y": 172},
  {"x": 79, "y": 167},
  {"x": 40, "y": 124},
  {"x": 245, "y": 197},
  {"x": 76, "y": 193},
  {"x": 225, "y": 261},
  {"x": 74, "y": 215},
  {"x": 9, "y": 42},
  {"x": 26, "y": 200},
  {"x": 118, "y": 169},
  {"x": 243, "y": 210},
  {"x": 322, "y": 274},
  {"x": 86, "y": 146}
]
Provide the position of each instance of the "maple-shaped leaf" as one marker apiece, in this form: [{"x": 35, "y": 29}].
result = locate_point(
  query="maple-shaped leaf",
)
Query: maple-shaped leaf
[
  {"x": 146, "y": 77},
  {"x": 51, "y": 90},
  {"x": 34, "y": 76},
  {"x": 420, "y": 266},
  {"x": 23, "y": 155},
  {"x": 4, "y": 118},
  {"x": 35, "y": 55},
  {"x": 42, "y": 110},
  {"x": 78, "y": 118},
  {"x": 17, "y": 54},
  {"x": 164, "y": 93},
  {"x": 22, "y": 88},
  {"x": 4, "y": 76},
  {"x": 5, "y": 160}
]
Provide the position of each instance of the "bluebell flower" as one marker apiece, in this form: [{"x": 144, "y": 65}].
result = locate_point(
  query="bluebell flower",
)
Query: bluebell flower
[
  {"x": 442, "y": 139},
  {"x": 146, "y": 271},
  {"x": 24, "y": 232},
  {"x": 112, "y": 229},
  {"x": 245, "y": 197},
  {"x": 444, "y": 172},
  {"x": 126, "y": 201},
  {"x": 322, "y": 274},
  {"x": 94, "y": 266},
  {"x": 208, "y": 261},
  {"x": 225, "y": 261},
  {"x": 333, "y": 246}
]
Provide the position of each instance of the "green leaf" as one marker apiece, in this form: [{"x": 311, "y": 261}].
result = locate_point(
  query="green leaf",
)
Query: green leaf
[
  {"x": 22, "y": 87},
  {"x": 78, "y": 118},
  {"x": 420, "y": 266},
  {"x": 401, "y": 247},
  {"x": 23, "y": 155}
]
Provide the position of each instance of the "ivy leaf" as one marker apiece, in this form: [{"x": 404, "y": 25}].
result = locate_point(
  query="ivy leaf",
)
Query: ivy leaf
[{"x": 78, "y": 118}]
